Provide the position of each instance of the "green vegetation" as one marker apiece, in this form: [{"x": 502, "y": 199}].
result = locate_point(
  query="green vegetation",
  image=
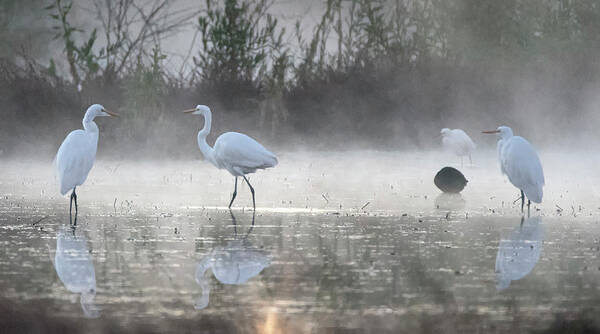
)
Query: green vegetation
[{"x": 384, "y": 73}]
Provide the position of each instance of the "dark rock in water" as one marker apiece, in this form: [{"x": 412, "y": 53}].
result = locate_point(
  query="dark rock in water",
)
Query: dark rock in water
[{"x": 450, "y": 180}]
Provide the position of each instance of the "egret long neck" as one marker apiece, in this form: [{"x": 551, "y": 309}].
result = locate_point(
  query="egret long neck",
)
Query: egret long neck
[
  {"x": 504, "y": 136},
  {"x": 88, "y": 123},
  {"x": 207, "y": 151}
]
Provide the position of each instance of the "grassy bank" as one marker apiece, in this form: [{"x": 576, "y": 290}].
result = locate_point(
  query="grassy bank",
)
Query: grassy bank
[{"x": 369, "y": 74}]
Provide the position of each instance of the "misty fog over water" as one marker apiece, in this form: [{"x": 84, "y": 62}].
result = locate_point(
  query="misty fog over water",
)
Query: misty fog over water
[{"x": 374, "y": 246}]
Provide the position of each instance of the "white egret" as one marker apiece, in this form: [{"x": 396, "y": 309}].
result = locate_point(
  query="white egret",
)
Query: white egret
[
  {"x": 77, "y": 153},
  {"x": 233, "y": 151},
  {"x": 520, "y": 162},
  {"x": 458, "y": 142}
]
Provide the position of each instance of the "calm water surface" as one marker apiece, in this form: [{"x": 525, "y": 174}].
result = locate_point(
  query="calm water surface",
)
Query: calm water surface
[{"x": 387, "y": 257}]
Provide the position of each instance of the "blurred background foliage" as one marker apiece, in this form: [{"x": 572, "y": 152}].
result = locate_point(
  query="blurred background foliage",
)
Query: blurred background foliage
[{"x": 383, "y": 73}]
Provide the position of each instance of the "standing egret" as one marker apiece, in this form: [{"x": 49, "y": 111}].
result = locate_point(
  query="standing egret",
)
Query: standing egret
[
  {"x": 233, "y": 151},
  {"x": 77, "y": 153},
  {"x": 458, "y": 142},
  {"x": 520, "y": 162}
]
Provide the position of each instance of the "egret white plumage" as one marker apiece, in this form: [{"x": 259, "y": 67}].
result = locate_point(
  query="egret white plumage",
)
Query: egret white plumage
[
  {"x": 233, "y": 151},
  {"x": 77, "y": 153},
  {"x": 520, "y": 162},
  {"x": 458, "y": 142}
]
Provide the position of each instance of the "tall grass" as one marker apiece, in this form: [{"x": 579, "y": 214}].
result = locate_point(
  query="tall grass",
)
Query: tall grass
[{"x": 382, "y": 73}]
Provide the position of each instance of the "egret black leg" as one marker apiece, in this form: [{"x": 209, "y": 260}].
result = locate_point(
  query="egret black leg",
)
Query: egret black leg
[
  {"x": 252, "y": 191},
  {"x": 528, "y": 205},
  {"x": 522, "y": 200},
  {"x": 75, "y": 199},
  {"x": 234, "y": 193},
  {"x": 71, "y": 207}
]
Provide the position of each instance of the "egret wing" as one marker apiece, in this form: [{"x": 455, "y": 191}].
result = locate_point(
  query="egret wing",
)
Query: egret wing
[
  {"x": 523, "y": 167},
  {"x": 464, "y": 138},
  {"x": 74, "y": 160},
  {"x": 463, "y": 143},
  {"x": 237, "y": 150}
]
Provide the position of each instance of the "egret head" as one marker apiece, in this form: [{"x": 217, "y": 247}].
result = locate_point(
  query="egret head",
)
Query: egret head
[
  {"x": 445, "y": 132},
  {"x": 502, "y": 131},
  {"x": 99, "y": 110},
  {"x": 199, "y": 110}
]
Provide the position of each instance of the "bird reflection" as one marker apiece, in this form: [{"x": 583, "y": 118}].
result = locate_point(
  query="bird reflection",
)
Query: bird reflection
[
  {"x": 519, "y": 252},
  {"x": 450, "y": 201},
  {"x": 75, "y": 268},
  {"x": 234, "y": 263}
]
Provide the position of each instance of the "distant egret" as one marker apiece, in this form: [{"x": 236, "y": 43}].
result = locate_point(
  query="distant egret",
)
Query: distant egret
[
  {"x": 520, "y": 162},
  {"x": 233, "y": 151},
  {"x": 458, "y": 142},
  {"x": 77, "y": 153}
]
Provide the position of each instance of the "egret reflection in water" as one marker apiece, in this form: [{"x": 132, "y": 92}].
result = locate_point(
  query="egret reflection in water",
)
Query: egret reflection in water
[
  {"x": 235, "y": 263},
  {"x": 75, "y": 268},
  {"x": 519, "y": 252}
]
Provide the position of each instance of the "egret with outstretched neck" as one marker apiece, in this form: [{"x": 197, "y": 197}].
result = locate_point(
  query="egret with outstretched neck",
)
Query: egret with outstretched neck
[
  {"x": 233, "y": 151},
  {"x": 520, "y": 162},
  {"x": 77, "y": 153}
]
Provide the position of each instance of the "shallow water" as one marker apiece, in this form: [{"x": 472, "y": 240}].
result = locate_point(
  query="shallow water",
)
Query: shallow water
[{"x": 353, "y": 242}]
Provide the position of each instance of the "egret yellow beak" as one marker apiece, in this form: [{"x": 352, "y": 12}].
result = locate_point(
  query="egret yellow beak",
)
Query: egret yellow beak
[
  {"x": 491, "y": 131},
  {"x": 111, "y": 114},
  {"x": 189, "y": 111}
]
